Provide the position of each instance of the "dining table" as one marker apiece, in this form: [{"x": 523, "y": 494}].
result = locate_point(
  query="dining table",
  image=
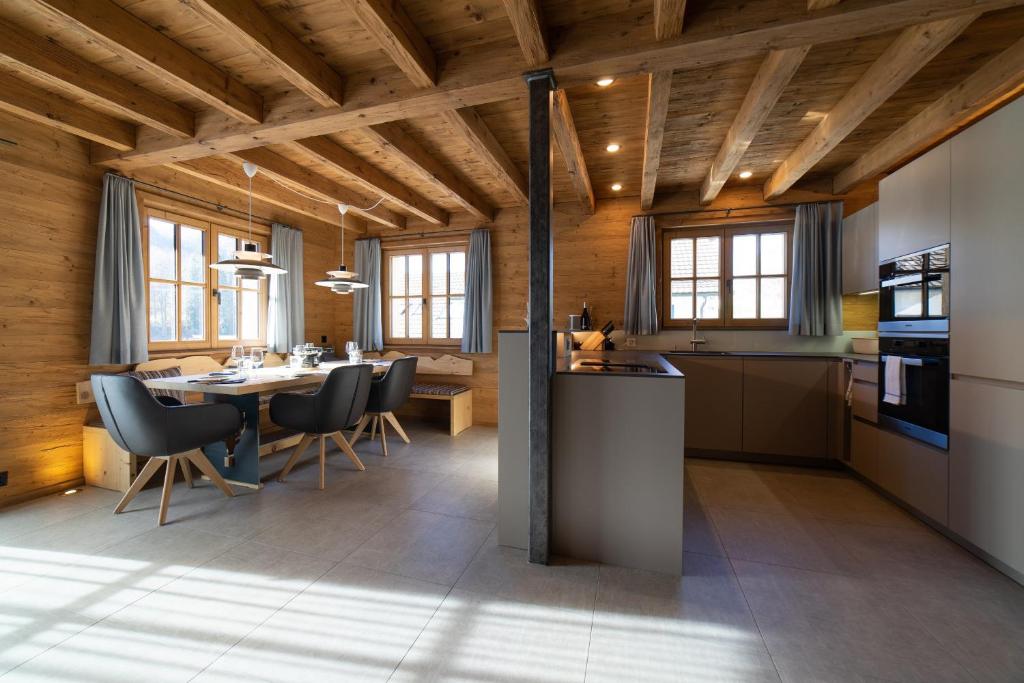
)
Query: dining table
[{"x": 241, "y": 464}]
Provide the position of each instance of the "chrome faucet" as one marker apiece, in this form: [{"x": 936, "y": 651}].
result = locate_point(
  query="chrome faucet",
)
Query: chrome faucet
[{"x": 694, "y": 340}]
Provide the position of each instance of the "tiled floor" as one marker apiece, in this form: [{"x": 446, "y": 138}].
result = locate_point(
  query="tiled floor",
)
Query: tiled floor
[{"x": 394, "y": 574}]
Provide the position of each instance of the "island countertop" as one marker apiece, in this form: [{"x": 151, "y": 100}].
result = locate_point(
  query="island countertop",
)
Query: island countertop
[{"x": 653, "y": 359}]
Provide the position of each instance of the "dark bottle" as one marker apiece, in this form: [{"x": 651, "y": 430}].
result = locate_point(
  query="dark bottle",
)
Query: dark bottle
[{"x": 585, "y": 318}]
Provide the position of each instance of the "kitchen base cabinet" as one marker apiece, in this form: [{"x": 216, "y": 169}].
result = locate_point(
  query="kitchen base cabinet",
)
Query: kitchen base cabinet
[
  {"x": 785, "y": 407},
  {"x": 714, "y": 421},
  {"x": 915, "y": 473},
  {"x": 864, "y": 449},
  {"x": 986, "y": 469}
]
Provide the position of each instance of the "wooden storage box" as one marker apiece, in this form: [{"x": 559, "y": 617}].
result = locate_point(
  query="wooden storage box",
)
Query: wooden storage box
[{"x": 106, "y": 464}]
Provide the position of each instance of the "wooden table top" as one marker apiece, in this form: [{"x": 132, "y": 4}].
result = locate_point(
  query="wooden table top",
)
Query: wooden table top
[{"x": 259, "y": 381}]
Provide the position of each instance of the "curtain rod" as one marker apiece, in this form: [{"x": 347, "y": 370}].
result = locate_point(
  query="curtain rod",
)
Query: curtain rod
[
  {"x": 416, "y": 235},
  {"x": 727, "y": 211},
  {"x": 220, "y": 207}
]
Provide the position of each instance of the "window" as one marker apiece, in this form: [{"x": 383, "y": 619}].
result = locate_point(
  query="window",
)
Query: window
[
  {"x": 190, "y": 305},
  {"x": 731, "y": 276},
  {"x": 425, "y": 293}
]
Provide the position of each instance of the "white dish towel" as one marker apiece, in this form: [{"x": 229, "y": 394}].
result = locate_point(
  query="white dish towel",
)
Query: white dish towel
[{"x": 895, "y": 379}]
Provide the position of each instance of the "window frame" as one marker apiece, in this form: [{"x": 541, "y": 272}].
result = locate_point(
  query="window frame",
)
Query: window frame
[
  {"x": 425, "y": 251},
  {"x": 726, "y": 232},
  {"x": 212, "y": 230}
]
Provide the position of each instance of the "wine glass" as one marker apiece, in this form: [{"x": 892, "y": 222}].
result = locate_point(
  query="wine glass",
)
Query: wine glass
[
  {"x": 258, "y": 356},
  {"x": 351, "y": 348},
  {"x": 237, "y": 351}
]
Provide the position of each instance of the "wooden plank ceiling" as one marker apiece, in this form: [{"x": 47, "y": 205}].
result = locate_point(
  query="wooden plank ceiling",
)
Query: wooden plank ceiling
[{"x": 422, "y": 102}]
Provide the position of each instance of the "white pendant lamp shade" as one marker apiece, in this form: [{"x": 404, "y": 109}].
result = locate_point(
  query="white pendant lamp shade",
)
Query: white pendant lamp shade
[
  {"x": 342, "y": 281},
  {"x": 249, "y": 263}
]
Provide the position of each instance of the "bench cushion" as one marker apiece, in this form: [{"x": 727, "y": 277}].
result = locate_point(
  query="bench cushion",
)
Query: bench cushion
[
  {"x": 160, "y": 374},
  {"x": 439, "y": 389}
]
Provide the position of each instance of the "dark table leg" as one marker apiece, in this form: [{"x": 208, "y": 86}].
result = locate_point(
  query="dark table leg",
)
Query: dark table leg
[{"x": 245, "y": 469}]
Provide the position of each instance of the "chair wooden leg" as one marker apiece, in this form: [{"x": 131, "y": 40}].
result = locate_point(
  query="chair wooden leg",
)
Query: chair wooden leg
[
  {"x": 200, "y": 460},
  {"x": 323, "y": 460},
  {"x": 186, "y": 470},
  {"x": 360, "y": 428},
  {"x": 347, "y": 450},
  {"x": 390, "y": 417},
  {"x": 296, "y": 454},
  {"x": 383, "y": 436},
  {"x": 373, "y": 427},
  {"x": 152, "y": 465},
  {"x": 165, "y": 495}
]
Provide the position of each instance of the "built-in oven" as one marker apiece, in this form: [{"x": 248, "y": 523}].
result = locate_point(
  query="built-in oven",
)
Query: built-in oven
[
  {"x": 918, "y": 404},
  {"x": 913, "y": 294}
]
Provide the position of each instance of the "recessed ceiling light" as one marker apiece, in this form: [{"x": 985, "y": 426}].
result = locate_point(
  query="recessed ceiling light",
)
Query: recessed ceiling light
[
  {"x": 605, "y": 82},
  {"x": 614, "y": 147},
  {"x": 616, "y": 187},
  {"x": 745, "y": 174},
  {"x": 70, "y": 492}
]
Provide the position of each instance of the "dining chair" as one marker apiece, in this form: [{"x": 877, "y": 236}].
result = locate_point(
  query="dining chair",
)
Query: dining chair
[
  {"x": 387, "y": 394},
  {"x": 338, "y": 404},
  {"x": 169, "y": 435}
]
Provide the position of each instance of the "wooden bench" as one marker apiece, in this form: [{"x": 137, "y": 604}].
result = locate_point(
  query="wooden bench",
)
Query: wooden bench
[{"x": 459, "y": 397}]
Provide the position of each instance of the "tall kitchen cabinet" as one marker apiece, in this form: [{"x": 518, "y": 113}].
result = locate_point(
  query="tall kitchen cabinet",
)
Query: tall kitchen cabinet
[
  {"x": 914, "y": 205},
  {"x": 860, "y": 250},
  {"x": 986, "y": 471}
]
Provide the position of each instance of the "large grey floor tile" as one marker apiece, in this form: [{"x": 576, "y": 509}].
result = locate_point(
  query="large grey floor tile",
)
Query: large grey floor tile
[
  {"x": 392, "y": 487},
  {"x": 353, "y": 624},
  {"x": 329, "y": 530},
  {"x": 738, "y": 485},
  {"x": 503, "y": 572},
  {"x": 21, "y": 519},
  {"x": 482, "y": 638},
  {"x": 834, "y": 495},
  {"x": 98, "y": 585},
  {"x": 699, "y": 535},
  {"x": 463, "y": 497},
  {"x": 423, "y": 545},
  {"x": 176, "y": 631},
  {"x": 779, "y": 538},
  {"x": 656, "y": 627},
  {"x": 27, "y": 633}
]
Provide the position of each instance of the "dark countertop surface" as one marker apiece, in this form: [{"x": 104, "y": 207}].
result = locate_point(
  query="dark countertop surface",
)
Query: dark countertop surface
[
  {"x": 652, "y": 358},
  {"x": 775, "y": 354}
]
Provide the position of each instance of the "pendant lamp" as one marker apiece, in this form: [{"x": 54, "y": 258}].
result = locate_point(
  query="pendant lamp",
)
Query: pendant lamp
[
  {"x": 342, "y": 281},
  {"x": 249, "y": 263}
]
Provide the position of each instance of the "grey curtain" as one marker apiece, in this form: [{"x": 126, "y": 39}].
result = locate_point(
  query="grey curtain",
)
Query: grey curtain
[
  {"x": 286, "y": 324},
  {"x": 476, "y": 331},
  {"x": 816, "y": 294},
  {"x": 119, "y": 288},
  {"x": 366, "y": 317},
  {"x": 641, "y": 314}
]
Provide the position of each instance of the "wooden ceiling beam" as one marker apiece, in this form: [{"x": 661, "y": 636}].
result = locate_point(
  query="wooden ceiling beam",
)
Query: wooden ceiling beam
[
  {"x": 469, "y": 126},
  {"x": 62, "y": 70},
  {"x": 479, "y": 74},
  {"x": 305, "y": 181},
  {"x": 659, "y": 91},
  {"x": 772, "y": 77},
  {"x": 390, "y": 139},
  {"x": 529, "y": 29},
  {"x": 915, "y": 47},
  {"x": 227, "y": 173},
  {"x": 564, "y": 129},
  {"x": 22, "y": 99},
  {"x": 138, "y": 43},
  {"x": 246, "y": 23},
  {"x": 1000, "y": 80},
  {"x": 399, "y": 38},
  {"x": 668, "y": 18},
  {"x": 371, "y": 178},
  {"x": 821, "y": 4}
]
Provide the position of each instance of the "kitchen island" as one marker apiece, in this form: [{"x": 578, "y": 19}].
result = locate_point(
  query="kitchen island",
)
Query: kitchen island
[{"x": 616, "y": 458}]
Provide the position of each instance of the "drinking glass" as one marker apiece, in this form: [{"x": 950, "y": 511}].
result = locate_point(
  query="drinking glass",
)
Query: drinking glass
[
  {"x": 237, "y": 351},
  {"x": 258, "y": 356},
  {"x": 245, "y": 367},
  {"x": 350, "y": 348}
]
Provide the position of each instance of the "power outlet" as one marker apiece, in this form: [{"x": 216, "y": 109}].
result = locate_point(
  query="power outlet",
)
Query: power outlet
[
  {"x": 630, "y": 342},
  {"x": 3, "y": 478}
]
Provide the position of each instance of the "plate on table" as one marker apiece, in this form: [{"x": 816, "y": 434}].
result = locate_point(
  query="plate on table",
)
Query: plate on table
[{"x": 222, "y": 373}]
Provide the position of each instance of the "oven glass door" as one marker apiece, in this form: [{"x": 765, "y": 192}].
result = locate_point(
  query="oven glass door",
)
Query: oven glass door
[
  {"x": 914, "y": 288},
  {"x": 925, "y": 415}
]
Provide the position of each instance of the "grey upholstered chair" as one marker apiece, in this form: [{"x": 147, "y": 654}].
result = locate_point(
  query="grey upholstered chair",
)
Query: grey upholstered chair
[
  {"x": 388, "y": 394},
  {"x": 338, "y": 404},
  {"x": 166, "y": 434}
]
